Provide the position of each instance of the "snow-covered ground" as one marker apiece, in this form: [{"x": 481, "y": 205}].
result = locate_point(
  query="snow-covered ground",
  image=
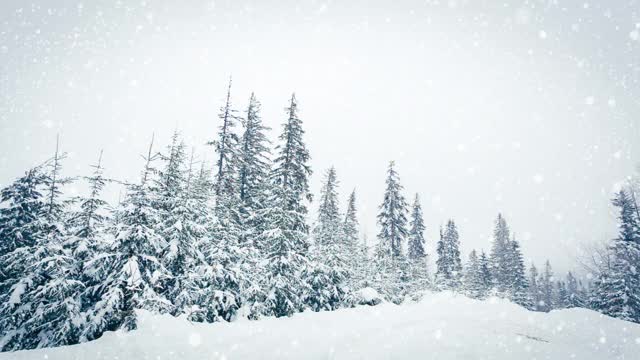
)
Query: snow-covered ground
[{"x": 442, "y": 326}]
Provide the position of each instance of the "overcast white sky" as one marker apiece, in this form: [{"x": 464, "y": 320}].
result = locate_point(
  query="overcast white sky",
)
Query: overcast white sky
[{"x": 530, "y": 108}]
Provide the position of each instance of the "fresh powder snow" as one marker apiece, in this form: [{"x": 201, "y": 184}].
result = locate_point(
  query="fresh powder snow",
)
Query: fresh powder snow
[{"x": 441, "y": 326}]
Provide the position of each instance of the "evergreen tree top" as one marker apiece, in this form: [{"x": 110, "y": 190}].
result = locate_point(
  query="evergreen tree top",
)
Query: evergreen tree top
[
  {"x": 329, "y": 210},
  {"x": 291, "y": 166},
  {"x": 350, "y": 215},
  {"x": 392, "y": 217},
  {"x": 628, "y": 217},
  {"x": 416, "y": 232}
]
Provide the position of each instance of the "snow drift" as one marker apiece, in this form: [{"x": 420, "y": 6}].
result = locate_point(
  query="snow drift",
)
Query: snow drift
[{"x": 441, "y": 326}]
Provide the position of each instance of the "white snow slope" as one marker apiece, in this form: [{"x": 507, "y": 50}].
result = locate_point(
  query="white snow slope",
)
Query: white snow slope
[{"x": 442, "y": 326}]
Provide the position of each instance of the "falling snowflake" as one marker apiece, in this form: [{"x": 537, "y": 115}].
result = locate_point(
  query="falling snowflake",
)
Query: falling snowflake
[
  {"x": 538, "y": 178},
  {"x": 589, "y": 100}
]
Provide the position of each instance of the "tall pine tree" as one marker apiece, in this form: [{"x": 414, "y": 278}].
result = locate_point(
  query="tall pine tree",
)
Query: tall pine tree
[
  {"x": 449, "y": 264},
  {"x": 617, "y": 291},
  {"x": 500, "y": 256},
  {"x": 392, "y": 217},
  {"x": 285, "y": 217},
  {"x": 417, "y": 254},
  {"x": 129, "y": 273}
]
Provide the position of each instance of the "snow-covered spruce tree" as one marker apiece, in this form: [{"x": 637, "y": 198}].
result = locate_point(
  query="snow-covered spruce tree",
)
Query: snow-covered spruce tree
[
  {"x": 472, "y": 282},
  {"x": 417, "y": 254},
  {"x": 545, "y": 286},
  {"x": 392, "y": 217},
  {"x": 365, "y": 266},
  {"x": 47, "y": 300},
  {"x": 351, "y": 223},
  {"x": 390, "y": 262},
  {"x": 449, "y": 266},
  {"x": 23, "y": 205},
  {"x": 518, "y": 287},
  {"x": 227, "y": 226},
  {"x": 561, "y": 298},
  {"x": 227, "y": 147},
  {"x": 329, "y": 271},
  {"x": 45, "y": 304},
  {"x": 129, "y": 272},
  {"x": 169, "y": 180},
  {"x": 356, "y": 257},
  {"x": 500, "y": 256},
  {"x": 617, "y": 291},
  {"x": 534, "y": 289},
  {"x": 52, "y": 222},
  {"x": 416, "y": 232},
  {"x": 484, "y": 276},
  {"x": 328, "y": 229},
  {"x": 254, "y": 165},
  {"x": 477, "y": 276},
  {"x": 224, "y": 274},
  {"x": 220, "y": 298},
  {"x": 182, "y": 226},
  {"x": 87, "y": 224},
  {"x": 285, "y": 218},
  {"x": 574, "y": 293},
  {"x": 216, "y": 276},
  {"x": 88, "y": 231}
]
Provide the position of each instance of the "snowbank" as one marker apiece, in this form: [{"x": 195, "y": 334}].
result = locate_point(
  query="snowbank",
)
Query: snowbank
[{"x": 441, "y": 326}]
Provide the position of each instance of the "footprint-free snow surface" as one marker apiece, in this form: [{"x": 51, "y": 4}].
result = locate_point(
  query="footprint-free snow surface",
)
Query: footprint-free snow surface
[{"x": 441, "y": 326}]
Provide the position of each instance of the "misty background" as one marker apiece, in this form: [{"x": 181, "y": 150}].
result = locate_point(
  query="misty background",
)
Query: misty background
[{"x": 529, "y": 108}]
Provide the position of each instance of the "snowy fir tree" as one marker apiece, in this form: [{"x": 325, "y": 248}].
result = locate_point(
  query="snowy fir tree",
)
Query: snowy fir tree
[
  {"x": 23, "y": 206},
  {"x": 617, "y": 291},
  {"x": 477, "y": 275},
  {"x": 182, "y": 227},
  {"x": 89, "y": 232},
  {"x": 328, "y": 229},
  {"x": 286, "y": 228},
  {"x": 392, "y": 217},
  {"x": 227, "y": 148},
  {"x": 128, "y": 274},
  {"x": 449, "y": 265},
  {"x": 390, "y": 260},
  {"x": 329, "y": 273},
  {"x": 561, "y": 297},
  {"x": 518, "y": 285},
  {"x": 43, "y": 305},
  {"x": 416, "y": 240},
  {"x": 46, "y": 301},
  {"x": 254, "y": 161},
  {"x": 356, "y": 257},
  {"x": 500, "y": 256},
  {"x": 484, "y": 268},
  {"x": 472, "y": 281},
  {"x": 545, "y": 288},
  {"x": 254, "y": 167},
  {"x": 87, "y": 224},
  {"x": 534, "y": 289},
  {"x": 575, "y": 297},
  {"x": 416, "y": 252}
]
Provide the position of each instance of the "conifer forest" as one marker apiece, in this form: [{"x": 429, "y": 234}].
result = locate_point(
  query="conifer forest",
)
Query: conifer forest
[{"x": 266, "y": 239}]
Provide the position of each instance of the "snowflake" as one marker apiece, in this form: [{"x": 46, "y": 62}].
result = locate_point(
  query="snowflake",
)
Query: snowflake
[{"x": 538, "y": 178}]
